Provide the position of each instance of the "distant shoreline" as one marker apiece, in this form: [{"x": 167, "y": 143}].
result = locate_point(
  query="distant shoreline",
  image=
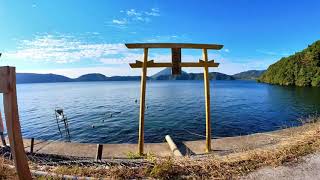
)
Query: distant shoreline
[
  {"x": 251, "y": 80},
  {"x": 23, "y": 78}
]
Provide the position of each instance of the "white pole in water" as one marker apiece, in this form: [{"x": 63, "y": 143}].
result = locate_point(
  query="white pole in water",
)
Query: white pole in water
[
  {"x": 2, "y": 131},
  {"x": 173, "y": 146}
]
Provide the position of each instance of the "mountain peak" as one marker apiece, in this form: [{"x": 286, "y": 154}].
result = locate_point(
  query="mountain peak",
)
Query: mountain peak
[
  {"x": 92, "y": 77},
  {"x": 165, "y": 72}
]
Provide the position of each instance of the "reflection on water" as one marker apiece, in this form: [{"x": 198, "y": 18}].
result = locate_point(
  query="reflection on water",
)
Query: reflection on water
[{"x": 107, "y": 112}]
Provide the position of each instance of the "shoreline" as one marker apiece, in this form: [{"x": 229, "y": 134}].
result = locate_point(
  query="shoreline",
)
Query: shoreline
[{"x": 221, "y": 146}]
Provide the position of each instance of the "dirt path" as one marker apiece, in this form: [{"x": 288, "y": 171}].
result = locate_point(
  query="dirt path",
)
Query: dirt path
[{"x": 306, "y": 169}]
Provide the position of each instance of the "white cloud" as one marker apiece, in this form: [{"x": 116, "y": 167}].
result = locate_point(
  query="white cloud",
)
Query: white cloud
[
  {"x": 134, "y": 16},
  {"x": 143, "y": 19},
  {"x": 226, "y": 50},
  {"x": 153, "y": 12},
  {"x": 63, "y": 49},
  {"x": 230, "y": 67},
  {"x": 272, "y": 53},
  {"x": 165, "y": 38},
  {"x": 125, "y": 59},
  {"x": 119, "y": 21},
  {"x": 133, "y": 12},
  {"x": 114, "y": 57}
]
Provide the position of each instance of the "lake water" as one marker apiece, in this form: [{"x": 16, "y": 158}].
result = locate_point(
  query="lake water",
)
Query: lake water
[{"x": 173, "y": 107}]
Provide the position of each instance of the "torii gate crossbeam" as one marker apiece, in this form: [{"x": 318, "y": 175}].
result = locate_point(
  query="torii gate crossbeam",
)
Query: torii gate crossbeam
[{"x": 176, "y": 65}]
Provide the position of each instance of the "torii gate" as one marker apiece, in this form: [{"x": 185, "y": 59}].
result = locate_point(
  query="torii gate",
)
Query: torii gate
[{"x": 176, "y": 65}]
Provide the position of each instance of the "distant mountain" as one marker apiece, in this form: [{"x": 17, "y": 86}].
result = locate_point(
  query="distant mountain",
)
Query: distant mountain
[
  {"x": 124, "y": 78},
  {"x": 165, "y": 74},
  {"x": 249, "y": 75},
  {"x": 92, "y": 77},
  {"x": 212, "y": 76},
  {"x": 300, "y": 69},
  {"x": 41, "y": 78},
  {"x": 51, "y": 78}
]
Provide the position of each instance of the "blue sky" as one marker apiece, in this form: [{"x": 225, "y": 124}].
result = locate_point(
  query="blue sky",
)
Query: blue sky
[{"x": 78, "y": 37}]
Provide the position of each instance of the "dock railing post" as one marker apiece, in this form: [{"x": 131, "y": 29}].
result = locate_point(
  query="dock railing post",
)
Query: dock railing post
[
  {"x": 207, "y": 100},
  {"x": 142, "y": 101},
  {"x": 31, "y": 145},
  {"x": 8, "y": 88},
  {"x": 99, "y": 152}
]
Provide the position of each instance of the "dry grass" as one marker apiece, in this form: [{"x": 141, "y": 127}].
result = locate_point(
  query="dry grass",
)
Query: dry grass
[
  {"x": 5, "y": 171},
  {"x": 232, "y": 166},
  {"x": 228, "y": 167}
]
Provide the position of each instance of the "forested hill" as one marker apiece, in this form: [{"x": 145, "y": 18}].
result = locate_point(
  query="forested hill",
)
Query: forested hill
[
  {"x": 249, "y": 75},
  {"x": 300, "y": 69}
]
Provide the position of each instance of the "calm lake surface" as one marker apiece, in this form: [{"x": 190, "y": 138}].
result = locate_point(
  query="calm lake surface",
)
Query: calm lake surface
[{"x": 173, "y": 107}]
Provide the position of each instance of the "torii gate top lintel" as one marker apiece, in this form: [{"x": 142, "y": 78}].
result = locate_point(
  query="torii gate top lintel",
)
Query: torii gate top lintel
[
  {"x": 174, "y": 45},
  {"x": 176, "y": 55},
  {"x": 176, "y": 65}
]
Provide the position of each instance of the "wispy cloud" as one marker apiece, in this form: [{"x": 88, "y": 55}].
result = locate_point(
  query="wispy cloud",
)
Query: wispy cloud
[
  {"x": 64, "y": 49},
  {"x": 153, "y": 12},
  {"x": 112, "y": 58},
  {"x": 133, "y": 12},
  {"x": 119, "y": 21},
  {"x": 167, "y": 38},
  {"x": 272, "y": 53},
  {"x": 126, "y": 58},
  {"x": 133, "y": 16}
]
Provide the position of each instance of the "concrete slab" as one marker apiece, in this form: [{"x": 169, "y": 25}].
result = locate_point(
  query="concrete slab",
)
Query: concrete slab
[
  {"x": 89, "y": 150},
  {"x": 221, "y": 146}
]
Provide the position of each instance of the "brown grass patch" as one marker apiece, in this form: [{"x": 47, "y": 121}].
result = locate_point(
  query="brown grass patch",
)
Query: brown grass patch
[
  {"x": 5, "y": 171},
  {"x": 228, "y": 167}
]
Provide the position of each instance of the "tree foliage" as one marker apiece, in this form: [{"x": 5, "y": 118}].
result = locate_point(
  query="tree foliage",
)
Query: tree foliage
[{"x": 300, "y": 69}]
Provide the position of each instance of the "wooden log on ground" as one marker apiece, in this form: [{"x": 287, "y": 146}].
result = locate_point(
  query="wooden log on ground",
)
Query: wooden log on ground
[{"x": 173, "y": 146}]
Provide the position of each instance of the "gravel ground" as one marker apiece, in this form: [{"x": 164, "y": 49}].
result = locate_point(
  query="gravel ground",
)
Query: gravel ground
[{"x": 306, "y": 169}]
